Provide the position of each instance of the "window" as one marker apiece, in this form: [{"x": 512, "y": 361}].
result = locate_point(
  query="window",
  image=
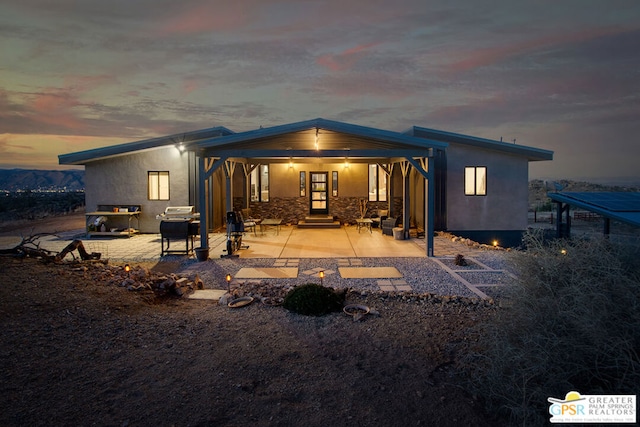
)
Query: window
[
  {"x": 158, "y": 185},
  {"x": 377, "y": 184},
  {"x": 334, "y": 180},
  {"x": 303, "y": 183},
  {"x": 475, "y": 181},
  {"x": 260, "y": 184}
]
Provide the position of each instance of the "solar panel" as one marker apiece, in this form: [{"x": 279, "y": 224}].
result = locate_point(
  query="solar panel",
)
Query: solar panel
[{"x": 611, "y": 201}]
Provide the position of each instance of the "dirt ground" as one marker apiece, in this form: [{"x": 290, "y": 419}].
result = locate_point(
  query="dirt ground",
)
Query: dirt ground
[{"x": 79, "y": 352}]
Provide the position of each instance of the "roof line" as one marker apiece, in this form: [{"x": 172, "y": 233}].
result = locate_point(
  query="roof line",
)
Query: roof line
[
  {"x": 187, "y": 138},
  {"x": 531, "y": 152},
  {"x": 323, "y": 124}
]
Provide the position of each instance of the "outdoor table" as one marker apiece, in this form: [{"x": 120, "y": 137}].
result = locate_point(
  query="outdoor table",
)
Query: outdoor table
[
  {"x": 364, "y": 223},
  {"x": 271, "y": 222}
]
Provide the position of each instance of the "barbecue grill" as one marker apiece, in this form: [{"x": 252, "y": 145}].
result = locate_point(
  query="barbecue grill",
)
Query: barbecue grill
[{"x": 179, "y": 223}]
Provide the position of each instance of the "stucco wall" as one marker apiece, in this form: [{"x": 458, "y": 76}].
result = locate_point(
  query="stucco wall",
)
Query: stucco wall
[
  {"x": 505, "y": 205},
  {"x": 123, "y": 181}
]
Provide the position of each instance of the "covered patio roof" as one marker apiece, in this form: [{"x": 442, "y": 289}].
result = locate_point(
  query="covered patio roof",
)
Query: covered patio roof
[{"x": 316, "y": 139}]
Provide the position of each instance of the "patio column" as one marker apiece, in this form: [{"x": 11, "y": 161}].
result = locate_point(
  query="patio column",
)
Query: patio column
[
  {"x": 406, "y": 168},
  {"x": 431, "y": 209},
  {"x": 229, "y": 168},
  {"x": 202, "y": 201}
]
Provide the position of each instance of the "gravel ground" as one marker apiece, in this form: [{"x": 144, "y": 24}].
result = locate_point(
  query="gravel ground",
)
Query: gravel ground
[{"x": 422, "y": 274}]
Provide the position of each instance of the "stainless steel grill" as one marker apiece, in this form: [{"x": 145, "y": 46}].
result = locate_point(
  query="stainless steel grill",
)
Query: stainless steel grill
[{"x": 178, "y": 223}]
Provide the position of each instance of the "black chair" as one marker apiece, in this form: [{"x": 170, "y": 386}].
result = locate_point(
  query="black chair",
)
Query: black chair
[{"x": 388, "y": 225}]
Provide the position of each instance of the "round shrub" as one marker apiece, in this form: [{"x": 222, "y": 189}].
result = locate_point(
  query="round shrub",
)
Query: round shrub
[{"x": 313, "y": 300}]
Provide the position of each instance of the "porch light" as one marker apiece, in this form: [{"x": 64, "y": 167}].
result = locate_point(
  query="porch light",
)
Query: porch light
[{"x": 228, "y": 279}]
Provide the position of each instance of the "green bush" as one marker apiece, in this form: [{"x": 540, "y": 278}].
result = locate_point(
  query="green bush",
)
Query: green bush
[
  {"x": 313, "y": 300},
  {"x": 572, "y": 323}
]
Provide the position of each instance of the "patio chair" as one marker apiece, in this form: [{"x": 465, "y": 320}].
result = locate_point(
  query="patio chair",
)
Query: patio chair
[
  {"x": 248, "y": 221},
  {"x": 388, "y": 225},
  {"x": 379, "y": 216}
]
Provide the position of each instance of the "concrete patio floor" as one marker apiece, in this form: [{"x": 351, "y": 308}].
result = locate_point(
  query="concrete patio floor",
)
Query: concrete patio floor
[{"x": 288, "y": 242}]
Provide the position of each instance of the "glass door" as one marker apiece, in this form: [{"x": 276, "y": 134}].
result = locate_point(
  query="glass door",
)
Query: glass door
[{"x": 319, "y": 202}]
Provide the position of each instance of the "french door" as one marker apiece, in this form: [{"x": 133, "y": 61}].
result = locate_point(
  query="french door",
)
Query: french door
[{"x": 318, "y": 199}]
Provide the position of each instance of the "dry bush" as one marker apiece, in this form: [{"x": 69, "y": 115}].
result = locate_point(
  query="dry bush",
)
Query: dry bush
[{"x": 572, "y": 323}]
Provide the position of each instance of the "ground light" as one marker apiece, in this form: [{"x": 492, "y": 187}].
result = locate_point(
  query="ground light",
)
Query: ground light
[
  {"x": 228, "y": 279},
  {"x": 495, "y": 243},
  {"x": 321, "y": 275}
]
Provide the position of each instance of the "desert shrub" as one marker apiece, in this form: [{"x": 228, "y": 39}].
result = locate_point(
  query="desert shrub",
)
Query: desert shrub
[
  {"x": 313, "y": 300},
  {"x": 459, "y": 260},
  {"x": 572, "y": 323}
]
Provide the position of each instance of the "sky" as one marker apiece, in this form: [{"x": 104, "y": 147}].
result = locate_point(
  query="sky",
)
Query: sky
[{"x": 562, "y": 75}]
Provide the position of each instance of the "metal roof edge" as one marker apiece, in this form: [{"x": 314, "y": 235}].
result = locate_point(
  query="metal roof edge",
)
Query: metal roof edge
[
  {"x": 323, "y": 124},
  {"x": 532, "y": 153},
  {"x": 568, "y": 199},
  {"x": 80, "y": 157}
]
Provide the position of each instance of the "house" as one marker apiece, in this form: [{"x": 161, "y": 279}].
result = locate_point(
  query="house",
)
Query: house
[{"x": 435, "y": 180}]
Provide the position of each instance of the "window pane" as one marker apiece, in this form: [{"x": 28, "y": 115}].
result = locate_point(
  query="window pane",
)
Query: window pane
[
  {"x": 303, "y": 184},
  {"x": 334, "y": 175},
  {"x": 163, "y": 186},
  {"x": 264, "y": 183},
  {"x": 153, "y": 186},
  {"x": 469, "y": 181},
  {"x": 382, "y": 186},
  {"x": 253, "y": 183},
  {"x": 373, "y": 183},
  {"x": 481, "y": 181}
]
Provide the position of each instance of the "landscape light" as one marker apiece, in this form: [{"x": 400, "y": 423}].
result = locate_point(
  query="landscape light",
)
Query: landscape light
[
  {"x": 495, "y": 243},
  {"x": 228, "y": 279},
  {"x": 321, "y": 275},
  {"x": 563, "y": 251},
  {"x": 127, "y": 268}
]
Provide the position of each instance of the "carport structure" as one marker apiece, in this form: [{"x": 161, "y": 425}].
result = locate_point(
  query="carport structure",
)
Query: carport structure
[
  {"x": 319, "y": 141},
  {"x": 611, "y": 205}
]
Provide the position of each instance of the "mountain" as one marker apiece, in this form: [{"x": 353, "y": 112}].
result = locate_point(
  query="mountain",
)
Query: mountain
[{"x": 33, "y": 179}]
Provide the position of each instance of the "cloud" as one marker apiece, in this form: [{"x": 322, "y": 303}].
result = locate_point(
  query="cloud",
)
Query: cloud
[{"x": 344, "y": 60}]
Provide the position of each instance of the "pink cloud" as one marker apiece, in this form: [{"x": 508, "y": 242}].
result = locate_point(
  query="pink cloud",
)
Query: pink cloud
[
  {"x": 207, "y": 17},
  {"x": 484, "y": 57},
  {"x": 345, "y": 60},
  {"x": 55, "y": 107}
]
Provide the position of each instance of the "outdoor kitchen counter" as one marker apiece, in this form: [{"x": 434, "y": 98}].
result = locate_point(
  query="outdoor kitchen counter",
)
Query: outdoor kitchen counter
[{"x": 117, "y": 232}]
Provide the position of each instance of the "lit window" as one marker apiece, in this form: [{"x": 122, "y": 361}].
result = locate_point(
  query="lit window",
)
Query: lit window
[
  {"x": 260, "y": 184},
  {"x": 475, "y": 181},
  {"x": 377, "y": 184},
  {"x": 158, "y": 185}
]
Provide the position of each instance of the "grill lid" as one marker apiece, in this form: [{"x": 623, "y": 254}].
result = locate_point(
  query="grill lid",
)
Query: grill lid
[{"x": 178, "y": 213}]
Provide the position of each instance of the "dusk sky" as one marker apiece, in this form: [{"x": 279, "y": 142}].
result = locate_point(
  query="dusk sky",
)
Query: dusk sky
[{"x": 562, "y": 75}]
